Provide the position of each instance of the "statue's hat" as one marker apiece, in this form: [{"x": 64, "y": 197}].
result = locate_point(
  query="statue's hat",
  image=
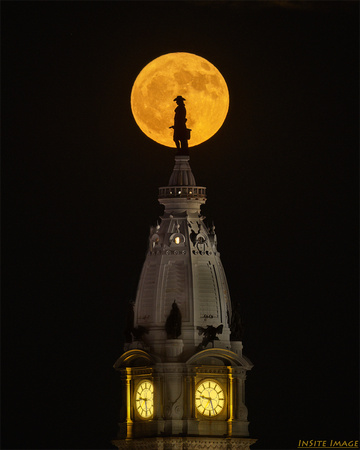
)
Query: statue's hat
[{"x": 179, "y": 98}]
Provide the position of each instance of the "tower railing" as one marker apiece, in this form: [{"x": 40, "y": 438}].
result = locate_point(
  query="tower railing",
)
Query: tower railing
[{"x": 182, "y": 191}]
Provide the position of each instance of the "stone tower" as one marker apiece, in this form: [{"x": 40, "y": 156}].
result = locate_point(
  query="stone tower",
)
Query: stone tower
[{"x": 182, "y": 371}]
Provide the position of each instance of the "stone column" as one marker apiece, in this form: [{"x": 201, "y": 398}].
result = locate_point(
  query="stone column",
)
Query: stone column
[
  {"x": 237, "y": 347},
  {"x": 192, "y": 422},
  {"x": 158, "y": 404},
  {"x": 240, "y": 411},
  {"x": 173, "y": 398},
  {"x": 188, "y": 397},
  {"x": 158, "y": 410}
]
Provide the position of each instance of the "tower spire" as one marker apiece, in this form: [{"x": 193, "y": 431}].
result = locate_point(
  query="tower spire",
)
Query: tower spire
[{"x": 184, "y": 379}]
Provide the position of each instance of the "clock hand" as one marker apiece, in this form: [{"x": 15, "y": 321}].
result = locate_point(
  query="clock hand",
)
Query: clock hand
[
  {"x": 207, "y": 398},
  {"x": 212, "y": 406}
]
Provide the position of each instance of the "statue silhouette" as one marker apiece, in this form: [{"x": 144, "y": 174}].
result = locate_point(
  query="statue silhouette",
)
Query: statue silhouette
[
  {"x": 181, "y": 133},
  {"x": 236, "y": 326},
  {"x": 131, "y": 333},
  {"x": 129, "y": 322},
  {"x": 173, "y": 322},
  {"x": 139, "y": 332},
  {"x": 209, "y": 333}
]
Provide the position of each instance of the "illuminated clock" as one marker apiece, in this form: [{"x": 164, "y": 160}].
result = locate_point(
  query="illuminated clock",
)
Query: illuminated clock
[
  {"x": 209, "y": 398},
  {"x": 144, "y": 399}
]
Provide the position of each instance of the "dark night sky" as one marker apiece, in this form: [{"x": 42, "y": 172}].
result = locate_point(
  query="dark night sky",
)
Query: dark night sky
[{"x": 80, "y": 192}]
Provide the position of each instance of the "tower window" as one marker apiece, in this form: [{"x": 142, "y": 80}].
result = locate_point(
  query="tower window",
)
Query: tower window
[{"x": 177, "y": 239}]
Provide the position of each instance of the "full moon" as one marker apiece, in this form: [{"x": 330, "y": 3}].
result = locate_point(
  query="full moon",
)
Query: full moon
[{"x": 188, "y": 75}]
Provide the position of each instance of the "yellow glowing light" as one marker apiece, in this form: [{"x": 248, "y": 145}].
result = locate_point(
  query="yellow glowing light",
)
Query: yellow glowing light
[
  {"x": 188, "y": 75},
  {"x": 177, "y": 240},
  {"x": 209, "y": 398},
  {"x": 144, "y": 399}
]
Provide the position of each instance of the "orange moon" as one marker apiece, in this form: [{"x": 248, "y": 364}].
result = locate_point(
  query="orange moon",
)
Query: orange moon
[{"x": 188, "y": 75}]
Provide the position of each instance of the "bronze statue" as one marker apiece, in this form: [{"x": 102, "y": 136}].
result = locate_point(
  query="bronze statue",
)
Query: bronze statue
[
  {"x": 131, "y": 333},
  {"x": 129, "y": 322},
  {"x": 236, "y": 326},
  {"x": 209, "y": 333},
  {"x": 173, "y": 322},
  {"x": 139, "y": 332},
  {"x": 181, "y": 133}
]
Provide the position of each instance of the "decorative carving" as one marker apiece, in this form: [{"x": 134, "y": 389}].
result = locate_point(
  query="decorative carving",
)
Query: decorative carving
[
  {"x": 141, "y": 371},
  {"x": 178, "y": 412},
  {"x": 173, "y": 395},
  {"x": 212, "y": 237},
  {"x": 167, "y": 411},
  {"x": 243, "y": 412},
  {"x": 193, "y": 234},
  {"x": 212, "y": 369},
  {"x": 188, "y": 443}
]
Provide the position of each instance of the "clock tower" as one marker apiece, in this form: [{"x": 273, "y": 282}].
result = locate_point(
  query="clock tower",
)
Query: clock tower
[{"x": 183, "y": 371}]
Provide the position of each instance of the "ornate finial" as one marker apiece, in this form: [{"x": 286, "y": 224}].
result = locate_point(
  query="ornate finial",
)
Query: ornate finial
[{"x": 181, "y": 132}]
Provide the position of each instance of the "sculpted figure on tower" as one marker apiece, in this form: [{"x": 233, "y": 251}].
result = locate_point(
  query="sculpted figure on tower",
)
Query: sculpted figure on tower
[
  {"x": 181, "y": 132},
  {"x": 173, "y": 322}
]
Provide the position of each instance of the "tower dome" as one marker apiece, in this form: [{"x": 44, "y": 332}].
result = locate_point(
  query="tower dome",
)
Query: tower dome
[{"x": 183, "y": 266}]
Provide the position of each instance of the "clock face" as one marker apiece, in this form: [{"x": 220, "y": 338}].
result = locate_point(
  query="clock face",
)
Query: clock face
[
  {"x": 144, "y": 399},
  {"x": 209, "y": 398}
]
